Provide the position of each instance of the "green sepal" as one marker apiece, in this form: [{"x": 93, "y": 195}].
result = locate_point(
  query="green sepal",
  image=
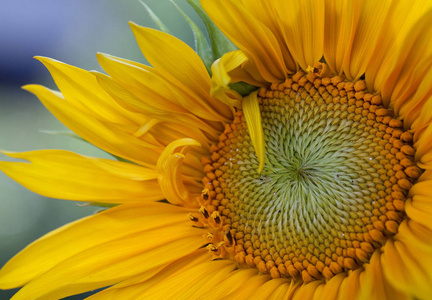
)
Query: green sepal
[
  {"x": 243, "y": 88},
  {"x": 155, "y": 18},
  {"x": 219, "y": 42},
  {"x": 65, "y": 133},
  {"x": 202, "y": 47},
  {"x": 121, "y": 159},
  {"x": 101, "y": 205}
]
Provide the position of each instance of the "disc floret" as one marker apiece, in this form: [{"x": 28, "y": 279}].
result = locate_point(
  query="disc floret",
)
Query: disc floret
[{"x": 338, "y": 169}]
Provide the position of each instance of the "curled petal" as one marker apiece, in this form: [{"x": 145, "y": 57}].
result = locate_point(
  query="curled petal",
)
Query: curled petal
[
  {"x": 221, "y": 79},
  {"x": 169, "y": 168}
]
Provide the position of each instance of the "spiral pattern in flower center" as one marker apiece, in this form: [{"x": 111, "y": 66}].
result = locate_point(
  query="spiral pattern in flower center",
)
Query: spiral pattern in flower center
[{"x": 338, "y": 168}]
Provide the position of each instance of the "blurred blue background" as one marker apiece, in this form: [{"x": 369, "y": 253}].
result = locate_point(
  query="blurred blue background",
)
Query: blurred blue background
[{"x": 71, "y": 31}]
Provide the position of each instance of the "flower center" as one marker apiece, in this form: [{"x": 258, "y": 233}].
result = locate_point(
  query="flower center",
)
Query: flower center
[{"x": 338, "y": 168}]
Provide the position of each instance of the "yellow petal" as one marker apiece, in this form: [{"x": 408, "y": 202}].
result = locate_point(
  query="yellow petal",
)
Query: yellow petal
[
  {"x": 418, "y": 213},
  {"x": 89, "y": 232},
  {"x": 253, "y": 120},
  {"x": 222, "y": 66},
  {"x": 194, "y": 128},
  {"x": 416, "y": 109},
  {"x": 130, "y": 292},
  {"x": 350, "y": 285},
  {"x": 250, "y": 35},
  {"x": 407, "y": 268},
  {"x": 147, "y": 92},
  {"x": 183, "y": 68},
  {"x": 341, "y": 19},
  {"x": 231, "y": 289},
  {"x": 82, "y": 89},
  {"x": 220, "y": 79},
  {"x": 330, "y": 290},
  {"x": 234, "y": 67},
  {"x": 111, "y": 262},
  {"x": 371, "y": 24},
  {"x": 135, "y": 287},
  {"x": 173, "y": 58},
  {"x": 143, "y": 90},
  {"x": 131, "y": 102},
  {"x": 260, "y": 10},
  {"x": 140, "y": 88},
  {"x": 248, "y": 73},
  {"x": 121, "y": 169},
  {"x": 285, "y": 291},
  {"x": 307, "y": 290},
  {"x": 67, "y": 175},
  {"x": 144, "y": 132},
  {"x": 192, "y": 283},
  {"x": 403, "y": 55},
  {"x": 169, "y": 167},
  {"x": 376, "y": 286},
  {"x": 419, "y": 206},
  {"x": 166, "y": 132},
  {"x": 106, "y": 136},
  {"x": 423, "y": 145},
  {"x": 268, "y": 289},
  {"x": 234, "y": 284},
  {"x": 303, "y": 29},
  {"x": 187, "y": 126},
  {"x": 413, "y": 233}
]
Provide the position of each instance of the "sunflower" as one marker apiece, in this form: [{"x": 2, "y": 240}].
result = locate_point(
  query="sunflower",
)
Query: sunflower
[{"x": 299, "y": 169}]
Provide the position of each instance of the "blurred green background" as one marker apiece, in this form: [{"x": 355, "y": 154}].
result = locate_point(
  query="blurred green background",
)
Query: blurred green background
[{"x": 71, "y": 31}]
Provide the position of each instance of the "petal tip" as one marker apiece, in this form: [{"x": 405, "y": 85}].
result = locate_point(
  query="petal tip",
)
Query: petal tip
[
  {"x": 43, "y": 59},
  {"x": 134, "y": 26},
  {"x": 30, "y": 88}
]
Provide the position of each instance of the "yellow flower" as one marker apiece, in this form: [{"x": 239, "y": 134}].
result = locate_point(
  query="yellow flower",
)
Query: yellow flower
[{"x": 315, "y": 186}]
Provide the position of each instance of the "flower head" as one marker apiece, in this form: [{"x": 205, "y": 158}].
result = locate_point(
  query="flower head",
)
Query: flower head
[{"x": 313, "y": 182}]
